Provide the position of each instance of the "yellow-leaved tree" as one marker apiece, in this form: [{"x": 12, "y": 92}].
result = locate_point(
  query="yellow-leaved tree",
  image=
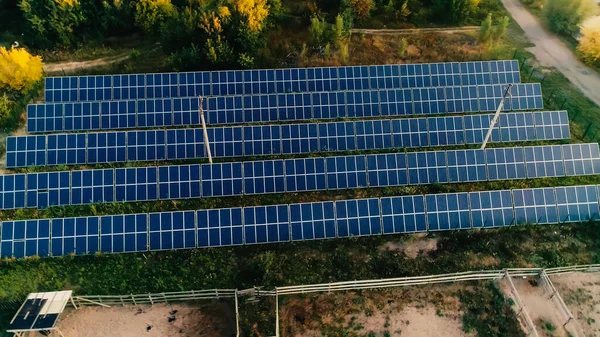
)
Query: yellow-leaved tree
[
  {"x": 19, "y": 70},
  {"x": 589, "y": 42},
  {"x": 150, "y": 14},
  {"x": 255, "y": 12}
]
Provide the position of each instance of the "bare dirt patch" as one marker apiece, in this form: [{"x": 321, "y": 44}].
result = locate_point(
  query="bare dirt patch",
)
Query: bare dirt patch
[
  {"x": 542, "y": 310},
  {"x": 415, "y": 311},
  {"x": 190, "y": 320},
  {"x": 419, "y": 245},
  {"x": 581, "y": 293}
]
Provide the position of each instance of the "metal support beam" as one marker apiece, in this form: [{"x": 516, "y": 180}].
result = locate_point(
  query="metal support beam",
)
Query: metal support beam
[
  {"x": 496, "y": 116},
  {"x": 204, "y": 131}
]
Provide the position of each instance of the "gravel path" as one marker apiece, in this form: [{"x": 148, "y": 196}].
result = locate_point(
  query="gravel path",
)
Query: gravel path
[{"x": 550, "y": 51}]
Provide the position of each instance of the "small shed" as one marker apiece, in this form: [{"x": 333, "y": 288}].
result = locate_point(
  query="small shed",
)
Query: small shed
[{"x": 39, "y": 313}]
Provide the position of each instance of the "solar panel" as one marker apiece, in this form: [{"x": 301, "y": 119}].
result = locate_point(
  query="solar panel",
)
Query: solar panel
[
  {"x": 12, "y": 191},
  {"x": 97, "y": 186},
  {"x": 491, "y": 209},
  {"x": 135, "y": 184},
  {"x": 357, "y": 217},
  {"x": 446, "y": 131},
  {"x": 410, "y": 132},
  {"x": 551, "y": 125},
  {"x": 517, "y": 127},
  {"x": 220, "y": 227},
  {"x": 123, "y": 233},
  {"x": 387, "y": 170},
  {"x": 262, "y": 140},
  {"x": 179, "y": 182},
  {"x": 67, "y": 149},
  {"x": 576, "y": 203},
  {"x": 466, "y": 165},
  {"x": 225, "y": 142},
  {"x": 266, "y": 224},
  {"x": 505, "y": 163},
  {"x": 75, "y": 236},
  {"x": 375, "y": 134},
  {"x": 105, "y": 147},
  {"x": 48, "y": 189},
  {"x": 581, "y": 159},
  {"x": 311, "y": 221},
  {"x": 405, "y": 214},
  {"x": 299, "y": 138},
  {"x": 427, "y": 167},
  {"x": 118, "y": 115},
  {"x": 346, "y": 172},
  {"x": 535, "y": 206},
  {"x": 264, "y": 177},
  {"x": 185, "y": 144},
  {"x": 544, "y": 161},
  {"x": 305, "y": 174},
  {"x": 22, "y": 151},
  {"x": 170, "y": 230},
  {"x": 223, "y": 179},
  {"x": 337, "y": 136},
  {"x": 448, "y": 211},
  {"x": 476, "y": 128},
  {"x": 25, "y": 238}
]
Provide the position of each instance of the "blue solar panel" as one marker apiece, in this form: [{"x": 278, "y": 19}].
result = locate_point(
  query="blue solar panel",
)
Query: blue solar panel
[
  {"x": 517, "y": 127},
  {"x": 337, "y": 136},
  {"x": 581, "y": 159},
  {"x": 220, "y": 227},
  {"x": 362, "y": 104},
  {"x": 136, "y": 184},
  {"x": 373, "y": 135},
  {"x": 264, "y": 177},
  {"x": 223, "y": 179},
  {"x": 12, "y": 191},
  {"x": 123, "y": 233},
  {"x": 429, "y": 101},
  {"x": 346, "y": 172},
  {"x": 67, "y": 149},
  {"x": 427, "y": 167},
  {"x": 106, "y": 147},
  {"x": 404, "y": 214},
  {"x": 576, "y": 203},
  {"x": 22, "y": 151},
  {"x": 544, "y": 161},
  {"x": 48, "y": 189},
  {"x": 491, "y": 209},
  {"x": 262, "y": 140},
  {"x": 551, "y": 125},
  {"x": 396, "y": 102},
  {"x": 294, "y": 106},
  {"x": 75, "y": 236},
  {"x": 225, "y": 142},
  {"x": 466, "y": 165},
  {"x": 476, "y": 128},
  {"x": 448, "y": 211},
  {"x": 387, "y": 170},
  {"x": 185, "y": 144},
  {"x": 171, "y": 230},
  {"x": 446, "y": 131},
  {"x": 305, "y": 174},
  {"x": 505, "y": 163},
  {"x": 97, "y": 186},
  {"x": 118, "y": 115},
  {"x": 410, "y": 132},
  {"x": 266, "y": 224},
  {"x": 312, "y": 221},
  {"x": 535, "y": 206},
  {"x": 186, "y": 111},
  {"x": 179, "y": 182},
  {"x": 25, "y": 238},
  {"x": 299, "y": 138},
  {"x": 357, "y": 217}
]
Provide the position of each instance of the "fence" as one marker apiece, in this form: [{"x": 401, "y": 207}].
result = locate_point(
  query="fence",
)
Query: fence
[{"x": 169, "y": 297}]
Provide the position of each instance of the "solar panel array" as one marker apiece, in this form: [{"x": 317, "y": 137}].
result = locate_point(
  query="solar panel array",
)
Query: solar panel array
[
  {"x": 295, "y": 175},
  {"x": 83, "y": 116},
  {"x": 252, "y": 82},
  {"x": 149, "y": 145},
  {"x": 297, "y": 222}
]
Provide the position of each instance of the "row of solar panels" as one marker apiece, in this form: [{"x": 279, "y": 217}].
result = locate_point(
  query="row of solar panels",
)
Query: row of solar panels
[
  {"x": 295, "y": 175},
  {"x": 251, "y": 82},
  {"x": 238, "y": 141},
  {"x": 85, "y": 116},
  {"x": 297, "y": 222}
]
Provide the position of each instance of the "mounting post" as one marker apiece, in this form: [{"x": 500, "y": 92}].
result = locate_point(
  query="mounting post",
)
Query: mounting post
[
  {"x": 206, "y": 143},
  {"x": 496, "y": 116}
]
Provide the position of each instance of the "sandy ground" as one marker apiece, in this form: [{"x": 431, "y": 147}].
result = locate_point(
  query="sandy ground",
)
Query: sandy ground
[
  {"x": 541, "y": 308},
  {"x": 432, "y": 311},
  {"x": 581, "y": 293},
  {"x": 550, "y": 51},
  {"x": 149, "y": 321},
  {"x": 387, "y": 31},
  {"x": 60, "y": 67},
  {"x": 417, "y": 245}
]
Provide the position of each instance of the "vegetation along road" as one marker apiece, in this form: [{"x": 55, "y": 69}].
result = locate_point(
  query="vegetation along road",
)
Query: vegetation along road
[{"x": 550, "y": 51}]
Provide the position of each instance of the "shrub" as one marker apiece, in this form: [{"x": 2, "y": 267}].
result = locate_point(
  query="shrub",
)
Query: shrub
[
  {"x": 19, "y": 70},
  {"x": 402, "y": 47},
  {"x": 485, "y": 32},
  {"x": 565, "y": 16},
  {"x": 589, "y": 42},
  {"x": 151, "y": 14}
]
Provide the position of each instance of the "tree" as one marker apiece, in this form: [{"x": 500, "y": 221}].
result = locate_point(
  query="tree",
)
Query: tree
[
  {"x": 51, "y": 22},
  {"x": 403, "y": 13},
  {"x": 402, "y": 47},
  {"x": 453, "y": 11},
  {"x": 151, "y": 14},
  {"x": 19, "y": 70},
  {"x": 565, "y": 16},
  {"x": 316, "y": 31},
  {"x": 338, "y": 31},
  {"x": 255, "y": 13},
  {"x": 362, "y": 8},
  {"x": 485, "y": 32},
  {"x": 501, "y": 27},
  {"x": 589, "y": 42}
]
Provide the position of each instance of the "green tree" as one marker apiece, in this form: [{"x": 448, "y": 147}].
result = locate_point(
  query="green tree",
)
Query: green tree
[
  {"x": 403, "y": 13},
  {"x": 362, "y": 8},
  {"x": 501, "y": 27},
  {"x": 485, "y": 32},
  {"x": 50, "y": 22},
  {"x": 402, "y": 47},
  {"x": 151, "y": 14},
  {"x": 589, "y": 42},
  {"x": 344, "y": 54},
  {"x": 316, "y": 31},
  {"x": 453, "y": 11},
  {"x": 338, "y": 31},
  {"x": 565, "y": 16}
]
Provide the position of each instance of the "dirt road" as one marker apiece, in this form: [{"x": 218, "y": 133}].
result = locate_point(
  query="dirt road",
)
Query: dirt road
[
  {"x": 550, "y": 51},
  {"x": 414, "y": 30}
]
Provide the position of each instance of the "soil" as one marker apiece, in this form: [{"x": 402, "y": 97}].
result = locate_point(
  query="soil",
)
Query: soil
[
  {"x": 191, "y": 320},
  {"x": 550, "y": 51},
  {"x": 581, "y": 293},
  {"x": 427, "y": 311},
  {"x": 545, "y": 315},
  {"x": 71, "y": 66},
  {"x": 418, "y": 245}
]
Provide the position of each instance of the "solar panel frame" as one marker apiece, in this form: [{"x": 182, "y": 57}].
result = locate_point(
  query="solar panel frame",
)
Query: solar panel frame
[
  {"x": 491, "y": 209},
  {"x": 357, "y": 217},
  {"x": 535, "y": 206},
  {"x": 220, "y": 227},
  {"x": 266, "y": 224},
  {"x": 448, "y": 211},
  {"x": 577, "y": 203},
  {"x": 171, "y": 230},
  {"x": 311, "y": 221},
  {"x": 403, "y": 214}
]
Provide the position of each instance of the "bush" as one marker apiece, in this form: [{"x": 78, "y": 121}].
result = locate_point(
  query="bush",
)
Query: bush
[
  {"x": 402, "y": 47},
  {"x": 485, "y": 32},
  {"x": 151, "y": 14},
  {"x": 565, "y": 16},
  {"x": 589, "y": 42},
  {"x": 19, "y": 70},
  {"x": 6, "y": 106}
]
